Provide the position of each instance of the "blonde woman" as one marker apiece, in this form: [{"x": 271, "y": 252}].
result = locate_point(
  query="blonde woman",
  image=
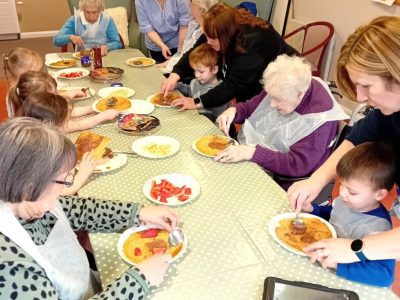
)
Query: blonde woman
[
  {"x": 368, "y": 70},
  {"x": 90, "y": 26},
  {"x": 289, "y": 128}
]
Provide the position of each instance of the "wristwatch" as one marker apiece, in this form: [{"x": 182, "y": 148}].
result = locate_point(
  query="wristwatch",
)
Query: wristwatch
[
  {"x": 196, "y": 100},
  {"x": 357, "y": 246}
]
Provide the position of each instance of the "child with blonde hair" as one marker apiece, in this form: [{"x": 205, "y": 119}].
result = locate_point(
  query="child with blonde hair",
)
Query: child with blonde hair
[
  {"x": 20, "y": 60},
  {"x": 204, "y": 61},
  {"x": 55, "y": 110},
  {"x": 31, "y": 81}
]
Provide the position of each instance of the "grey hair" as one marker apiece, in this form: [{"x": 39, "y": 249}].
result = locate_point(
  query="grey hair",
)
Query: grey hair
[
  {"x": 206, "y": 4},
  {"x": 290, "y": 75},
  {"x": 99, "y": 4},
  {"x": 32, "y": 154}
]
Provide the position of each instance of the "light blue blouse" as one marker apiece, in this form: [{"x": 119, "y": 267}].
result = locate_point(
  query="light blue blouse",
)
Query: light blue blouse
[
  {"x": 107, "y": 33},
  {"x": 165, "y": 22}
]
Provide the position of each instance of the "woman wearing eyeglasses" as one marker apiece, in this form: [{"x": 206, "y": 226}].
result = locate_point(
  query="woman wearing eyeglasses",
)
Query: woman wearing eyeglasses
[{"x": 40, "y": 256}]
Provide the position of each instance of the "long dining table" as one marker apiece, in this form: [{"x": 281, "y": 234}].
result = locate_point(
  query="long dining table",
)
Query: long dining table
[{"x": 230, "y": 250}]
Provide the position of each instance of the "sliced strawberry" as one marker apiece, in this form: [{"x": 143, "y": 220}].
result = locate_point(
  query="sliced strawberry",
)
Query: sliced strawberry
[
  {"x": 149, "y": 233},
  {"x": 188, "y": 191},
  {"x": 138, "y": 252},
  {"x": 183, "y": 198},
  {"x": 163, "y": 199},
  {"x": 159, "y": 250}
]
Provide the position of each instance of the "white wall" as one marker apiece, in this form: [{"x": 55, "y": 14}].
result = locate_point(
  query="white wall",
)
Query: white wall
[{"x": 345, "y": 15}]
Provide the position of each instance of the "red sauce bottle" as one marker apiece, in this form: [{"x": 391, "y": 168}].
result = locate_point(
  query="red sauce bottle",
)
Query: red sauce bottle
[{"x": 97, "y": 61}]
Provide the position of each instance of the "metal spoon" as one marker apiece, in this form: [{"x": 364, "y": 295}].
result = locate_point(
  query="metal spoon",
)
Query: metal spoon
[
  {"x": 176, "y": 237},
  {"x": 298, "y": 226}
]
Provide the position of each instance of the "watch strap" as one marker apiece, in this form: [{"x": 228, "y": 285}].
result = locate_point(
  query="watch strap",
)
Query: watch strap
[{"x": 361, "y": 256}]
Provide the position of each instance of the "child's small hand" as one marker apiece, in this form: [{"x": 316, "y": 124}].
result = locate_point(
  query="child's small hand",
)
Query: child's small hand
[
  {"x": 109, "y": 114},
  {"x": 87, "y": 164},
  {"x": 307, "y": 208}
]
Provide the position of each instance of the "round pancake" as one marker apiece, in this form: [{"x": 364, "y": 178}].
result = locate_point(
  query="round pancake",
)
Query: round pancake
[
  {"x": 142, "y": 62},
  {"x": 121, "y": 103},
  {"x": 146, "y": 245},
  {"x": 211, "y": 144}
]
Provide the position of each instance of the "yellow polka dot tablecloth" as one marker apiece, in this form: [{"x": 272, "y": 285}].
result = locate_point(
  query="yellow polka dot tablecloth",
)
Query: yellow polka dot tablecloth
[{"x": 230, "y": 251}]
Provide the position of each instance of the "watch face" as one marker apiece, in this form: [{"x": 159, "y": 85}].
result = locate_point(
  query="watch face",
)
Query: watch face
[{"x": 356, "y": 245}]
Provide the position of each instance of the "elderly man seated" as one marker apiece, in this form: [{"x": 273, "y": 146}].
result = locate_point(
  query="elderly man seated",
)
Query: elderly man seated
[
  {"x": 89, "y": 27},
  {"x": 289, "y": 128}
]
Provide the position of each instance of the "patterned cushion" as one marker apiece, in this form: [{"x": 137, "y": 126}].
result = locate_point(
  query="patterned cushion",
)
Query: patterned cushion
[{"x": 120, "y": 18}]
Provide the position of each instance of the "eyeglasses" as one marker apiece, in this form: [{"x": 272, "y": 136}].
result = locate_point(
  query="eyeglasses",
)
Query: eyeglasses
[{"x": 68, "y": 180}]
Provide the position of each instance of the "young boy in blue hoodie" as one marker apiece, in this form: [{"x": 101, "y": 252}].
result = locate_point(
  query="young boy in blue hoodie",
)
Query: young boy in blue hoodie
[{"x": 366, "y": 174}]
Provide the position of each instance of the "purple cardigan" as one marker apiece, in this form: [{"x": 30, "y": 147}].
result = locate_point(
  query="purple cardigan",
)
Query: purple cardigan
[{"x": 309, "y": 153}]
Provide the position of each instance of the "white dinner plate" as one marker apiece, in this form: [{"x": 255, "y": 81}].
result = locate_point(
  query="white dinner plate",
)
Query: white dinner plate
[
  {"x": 76, "y": 55},
  {"x": 194, "y": 147},
  {"x": 142, "y": 107},
  {"x": 51, "y": 61},
  {"x": 114, "y": 163},
  {"x": 147, "y": 62},
  {"x": 178, "y": 180},
  {"x": 128, "y": 110},
  {"x": 274, "y": 222},
  {"x": 139, "y": 146},
  {"x": 83, "y": 72},
  {"x": 124, "y": 236},
  {"x": 148, "y": 99},
  {"x": 119, "y": 90},
  {"x": 90, "y": 93}
]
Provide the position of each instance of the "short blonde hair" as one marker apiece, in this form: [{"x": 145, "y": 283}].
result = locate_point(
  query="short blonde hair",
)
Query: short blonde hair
[
  {"x": 20, "y": 60},
  {"x": 291, "y": 75},
  {"x": 99, "y": 4},
  {"x": 373, "y": 49}
]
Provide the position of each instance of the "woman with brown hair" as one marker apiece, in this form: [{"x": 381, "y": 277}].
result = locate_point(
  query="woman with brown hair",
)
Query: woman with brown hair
[{"x": 247, "y": 44}]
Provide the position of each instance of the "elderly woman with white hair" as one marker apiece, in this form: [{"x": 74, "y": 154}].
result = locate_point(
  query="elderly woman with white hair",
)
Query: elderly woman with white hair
[
  {"x": 90, "y": 26},
  {"x": 289, "y": 128}
]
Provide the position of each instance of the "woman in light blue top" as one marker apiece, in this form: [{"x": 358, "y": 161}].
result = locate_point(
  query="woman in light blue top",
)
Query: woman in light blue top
[
  {"x": 89, "y": 27},
  {"x": 164, "y": 23}
]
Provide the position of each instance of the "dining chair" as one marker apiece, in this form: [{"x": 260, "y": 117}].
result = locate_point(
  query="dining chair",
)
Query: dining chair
[
  {"x": 312, "y": 41},
  {"x": 136, "y": 38}
]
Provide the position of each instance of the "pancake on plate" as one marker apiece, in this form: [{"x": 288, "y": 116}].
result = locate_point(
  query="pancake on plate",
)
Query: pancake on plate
[
  {"x": 316, "y": 230},
  {"x": 63, "y": 63},
  {"x": 141, "y": 62},
  {"x": 144, "y": 244},
  {"x": 90, "y": 141},
  {"x": 113, "y": 102},
  {"x": 159, "y": 99},
  {"x": 211, "y": 145}
]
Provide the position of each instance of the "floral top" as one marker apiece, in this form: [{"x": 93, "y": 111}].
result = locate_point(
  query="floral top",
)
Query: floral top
[{"x": 22, "y": 278}]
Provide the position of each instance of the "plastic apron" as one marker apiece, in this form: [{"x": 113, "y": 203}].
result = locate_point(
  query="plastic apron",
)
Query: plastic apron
[
  {"x": 268, "y": 128},
  {"x": 92, "y": 33},
  {"x": 61, "y": 256}
]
